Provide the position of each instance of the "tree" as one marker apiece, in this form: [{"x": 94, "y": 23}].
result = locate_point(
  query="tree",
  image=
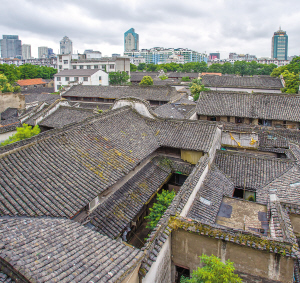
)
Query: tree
[
  {"x": 133, "y": 68},
  {"x": 163, "y": 200},
  {"x": 118, "y": 78},
  {"x": 163, "y": 77},
  {"x": 142, "y": 66},
  {"x": 146, "y": 80},
  {"x": 5, "y": 86},
  {"x": 213, "y": 271},
  {"x": 185, "y": 79},
  {"x": 196, "y": 88},
  {"x": 22, "y": 133},
  {"x": 292, "y": 82}
]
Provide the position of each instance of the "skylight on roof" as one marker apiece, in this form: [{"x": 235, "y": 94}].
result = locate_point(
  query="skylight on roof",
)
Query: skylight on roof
[{"x": 205, "y": 201}]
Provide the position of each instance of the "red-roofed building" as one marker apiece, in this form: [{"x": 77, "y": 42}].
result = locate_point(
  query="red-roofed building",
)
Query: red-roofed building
[{"x": 31, "y": 83}]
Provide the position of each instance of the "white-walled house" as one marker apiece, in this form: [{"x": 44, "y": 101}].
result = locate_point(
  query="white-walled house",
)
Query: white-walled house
[{"x": 80, "y": 76}]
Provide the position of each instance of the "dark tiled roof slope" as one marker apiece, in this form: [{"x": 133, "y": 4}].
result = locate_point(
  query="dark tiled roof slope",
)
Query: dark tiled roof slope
[
  {"x": 180, "y": 75},
  {"x": 9, "y": 113},
  {"x": 138, "y": 76},
  {"x": 61, "y": 174},
  {"x": 64, "y": 116},
  {"x": 60, "y": 250},
  {"x": 157, "y": 93},
  {"x": 264, "y": 82},
  {"x": 37, "y": 90},
  {"x": 91, "y": 105},
  {"x": 41, "y": 97},
  {"x": 263, "y": 106},
  {"x": 111, "y": 217},
  {"x": 249, "y": 170},
  {"x": 215, "y": 186},
  {"x": 184, "y": 134},
  {"x": 168, "y": 111}
]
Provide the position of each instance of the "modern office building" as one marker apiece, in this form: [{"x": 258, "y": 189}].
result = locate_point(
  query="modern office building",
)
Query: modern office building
[
  {"x": 279, "y": 45},
  {"x": 66, "y": 46},
  {"x": 131, "y": 40},
  {"x": 11, "y": 46},
  {"x": 160, "y": 55},
  {"x": 43, "y": 52},
  {"x": 26, "y": 51},
  {"x": 213, "y": 56}
]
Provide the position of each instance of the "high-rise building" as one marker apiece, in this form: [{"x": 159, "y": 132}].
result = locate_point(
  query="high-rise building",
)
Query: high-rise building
[
  {"x": 11, "y": 46},
  {"x": 26, "y": 51},
  {"x": 213, "y": 56},
  {"x": 131, "y": 40},
  {"x": 279, "y": 45},
  {"x": 66, "y": 46},
  {"x": 43, "y": 52}
]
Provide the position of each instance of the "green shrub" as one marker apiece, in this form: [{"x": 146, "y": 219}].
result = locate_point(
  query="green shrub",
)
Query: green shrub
[
  {"x": 185, "y": 79},
  {"x": 22, "y": 133},
  {"x": 146, "y": 80}
]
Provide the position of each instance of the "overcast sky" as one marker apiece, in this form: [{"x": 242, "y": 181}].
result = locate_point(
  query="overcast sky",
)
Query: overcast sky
[{"x": 241, "y": 26}]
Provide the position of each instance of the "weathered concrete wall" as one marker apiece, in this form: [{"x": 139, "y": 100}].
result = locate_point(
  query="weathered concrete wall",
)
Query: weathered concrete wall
[
  {"x": 191, "y": 156},
  {"x": 6, "y": 135},
  {"x": 160, "y": 271},
  {"x": 243, "y": 138},
  {"x": 187, "y": 247},
  {"x": 295, "y": 220},
  {"x": 133, "y": 277},
  {"x": 13, "y": 100}
]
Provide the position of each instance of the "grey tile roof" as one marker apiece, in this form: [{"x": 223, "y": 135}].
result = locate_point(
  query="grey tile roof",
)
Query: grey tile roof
[
  {"x": 9, "y": 125},
  {"x": 76, "y": 72},
  {"x": 176, "y": 110},
  {"x": 186, "y": 134},
  {"x": 209, "y": 198},
  {"x": 262, "y": 82},
  {"x": 4, "y": 278},
  {"x": 38, "y": 90},
  {"x": 65, "y": 116},
  {"x": 91, "y": 105},
  {"x": 60, "y": 250},
  {"x": 180, "y": 75},
  {"x": 263, "y": 106},
  {"x": 59, "y": 172},
  {"x": 138, "y": 76},
  {"x": 157, "y": 93},
  {"x": 41, "y": 97},
  {"x": 111, "y": 217},
  {"x": 9, "y": 113},
  {"x": 249, "y": 170}
]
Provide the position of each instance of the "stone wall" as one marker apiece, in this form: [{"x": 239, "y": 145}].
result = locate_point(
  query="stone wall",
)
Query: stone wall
[
  {"x": 187, "y": 247},
  {"x": 13, "y": 100}
]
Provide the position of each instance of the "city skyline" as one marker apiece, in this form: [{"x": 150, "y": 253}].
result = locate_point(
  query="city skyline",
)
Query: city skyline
[{"x": 244, "y": 28}]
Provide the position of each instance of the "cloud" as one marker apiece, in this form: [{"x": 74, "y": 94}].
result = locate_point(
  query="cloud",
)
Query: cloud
[{"x": 224, "y": 25}]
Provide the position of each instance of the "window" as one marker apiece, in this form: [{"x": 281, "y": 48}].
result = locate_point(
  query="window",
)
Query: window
[
  {"x": 239, "y": 120},
  {"x": 66, "y": 61},
  {"x": 67, "y": 79},
  {"x": 74, "y": 67},
  {"x": 60, "y": 67},
  {"x": 85, "y": 79},
  {"x": 58, "y": 79},
  {"x": 111, "y": 66},
  {"x": 88, "y": 66},
  {"x": 244, "y": 194},
  {"x": 96, "y": 67},
  {"x": 100, "y": 78},
  {"x": 80, "y": 67}
]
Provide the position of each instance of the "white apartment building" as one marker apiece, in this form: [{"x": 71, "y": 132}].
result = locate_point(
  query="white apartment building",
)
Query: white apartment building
[
  {"x": 43, "y": 52},
  {"x": 80, "y": 62},
  {"x": 80, "y": 76},
  {"x": 26, "y": 51}
]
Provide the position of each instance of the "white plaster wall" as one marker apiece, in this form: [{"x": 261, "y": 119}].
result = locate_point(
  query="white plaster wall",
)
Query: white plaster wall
[
  {"x": 243, "y": 138},
  {"x": 194, "y": 116},
  {"x": 215, "y": 145},
  {"x": 6, "y": 135},
  {"x": 160, "y": 271},
  {"x": 191, "y": 199},
  {"x": 138, "y": 106}
]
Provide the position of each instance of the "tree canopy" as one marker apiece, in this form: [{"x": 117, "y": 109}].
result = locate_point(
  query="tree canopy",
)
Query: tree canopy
[
  {"x": 118, "y": 78},
  {"x": 26, "y": 71},
  {"x": 213, "y": 271},
  {"x": 22, "y": 133},
  {"x": 163, "y": 200},
  {"x": 196, "y": 87},
  {"x": 146, "y": 80}
]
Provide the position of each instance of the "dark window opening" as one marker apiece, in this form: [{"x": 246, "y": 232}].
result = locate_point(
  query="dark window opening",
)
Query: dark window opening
[
  {"x": 213, "y": 118},
  {"x": 228, "y": 119},
  {"x": 265, "y": 122},
  {"x": 244, "y": 194},
  {"x": 239, "y": 120},
  {"x": 181, "y": 272}
]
